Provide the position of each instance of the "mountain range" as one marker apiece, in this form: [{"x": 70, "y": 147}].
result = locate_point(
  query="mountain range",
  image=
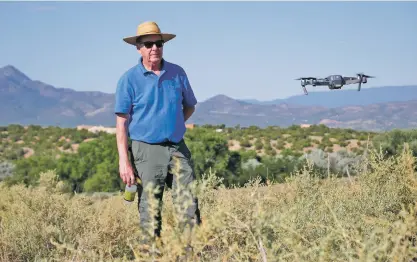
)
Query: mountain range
[
  {"x": 347, "y": 97},
  {"x": 25, "y": 101}
]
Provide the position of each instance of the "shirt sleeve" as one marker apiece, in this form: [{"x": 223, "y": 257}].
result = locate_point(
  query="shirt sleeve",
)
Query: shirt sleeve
[
  {"x": 188, "y": 93},
  {"x": 123, "y": 96}
]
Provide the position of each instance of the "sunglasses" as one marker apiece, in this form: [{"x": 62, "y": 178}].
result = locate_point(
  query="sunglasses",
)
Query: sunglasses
[{"x": 158, "y": 44}]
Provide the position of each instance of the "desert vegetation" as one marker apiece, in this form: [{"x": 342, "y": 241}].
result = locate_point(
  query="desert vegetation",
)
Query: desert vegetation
[
  {"x": 87, "y": 161},
  {"x": 305, "y": 202},
  {"x": 295, "y": 139},
  {"x": 367, "y": 217}
]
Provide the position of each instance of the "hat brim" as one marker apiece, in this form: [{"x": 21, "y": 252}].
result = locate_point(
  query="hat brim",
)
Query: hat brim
[{"x": 132, "y": 39}]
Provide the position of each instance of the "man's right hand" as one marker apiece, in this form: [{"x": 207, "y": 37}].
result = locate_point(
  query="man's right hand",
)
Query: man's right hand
[
  {"x": 126, "y": 173},
  {"x": 125, "y": 167}
]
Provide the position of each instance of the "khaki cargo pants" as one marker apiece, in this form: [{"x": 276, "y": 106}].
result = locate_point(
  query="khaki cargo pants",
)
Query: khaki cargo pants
[{"x": 159, "y": 165}]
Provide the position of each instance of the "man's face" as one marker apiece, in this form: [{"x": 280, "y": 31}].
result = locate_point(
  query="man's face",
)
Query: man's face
[{"x": 151, "y": 52}]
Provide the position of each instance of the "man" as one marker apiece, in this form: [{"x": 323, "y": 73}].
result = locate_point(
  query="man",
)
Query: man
[{"x": 153, "y": 100}]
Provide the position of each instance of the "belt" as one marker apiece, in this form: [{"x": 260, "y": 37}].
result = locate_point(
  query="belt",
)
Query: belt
[{"x": 165, "y": 143}]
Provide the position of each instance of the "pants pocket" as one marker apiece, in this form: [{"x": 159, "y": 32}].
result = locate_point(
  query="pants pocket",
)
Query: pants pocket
[
  {"x": 184, "y": 150},
  {"x": 140, "y": 151}
]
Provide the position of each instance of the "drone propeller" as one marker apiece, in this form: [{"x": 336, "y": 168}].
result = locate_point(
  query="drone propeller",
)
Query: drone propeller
[
  {"x": 305, "y": 78},
  {"x": 363, "y": 75}
]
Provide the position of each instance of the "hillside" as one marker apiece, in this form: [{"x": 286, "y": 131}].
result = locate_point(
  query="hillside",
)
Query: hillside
[
  {"x": 28, "y": 101},
  {"x": 23, "y": 142},
  {"x": 347, "y": 97},
  {"x": 376, "y": 117},
  {"x": 229, "y": 151}
]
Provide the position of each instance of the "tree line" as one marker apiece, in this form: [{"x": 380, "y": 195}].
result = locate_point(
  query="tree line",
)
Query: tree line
[{"x": 94, "y": 165}]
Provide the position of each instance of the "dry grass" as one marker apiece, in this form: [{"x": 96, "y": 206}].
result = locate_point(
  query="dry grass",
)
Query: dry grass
[{"x": 369, "y": 218}]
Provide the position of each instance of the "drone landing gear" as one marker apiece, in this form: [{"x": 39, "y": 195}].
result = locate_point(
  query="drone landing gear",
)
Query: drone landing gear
[
  {"x": 362, "y": 79},
  {"x": 304, "y": 89}
]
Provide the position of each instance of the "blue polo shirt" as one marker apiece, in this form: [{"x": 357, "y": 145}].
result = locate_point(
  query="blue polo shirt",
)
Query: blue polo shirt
[{"x": 154, "y": 102}]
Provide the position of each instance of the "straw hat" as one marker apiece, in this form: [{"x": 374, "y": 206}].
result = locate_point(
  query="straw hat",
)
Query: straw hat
[{"x": 148, "y": 28}]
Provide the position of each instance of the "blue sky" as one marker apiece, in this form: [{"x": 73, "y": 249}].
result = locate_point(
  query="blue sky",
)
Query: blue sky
[{"x": 240, "y": 49}]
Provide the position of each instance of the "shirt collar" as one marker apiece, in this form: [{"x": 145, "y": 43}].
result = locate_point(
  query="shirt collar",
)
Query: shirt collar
[{"x": 146, "y": 71}]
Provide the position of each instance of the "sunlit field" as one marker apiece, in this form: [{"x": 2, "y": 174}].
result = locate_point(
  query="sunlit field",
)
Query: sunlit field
[{"x": 368, "y": 217}]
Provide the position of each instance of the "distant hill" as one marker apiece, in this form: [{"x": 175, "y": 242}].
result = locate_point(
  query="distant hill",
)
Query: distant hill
[
  {"x": 25, "y": 101},
  {"x": 377, "y": 117},
  {"x": 347, "y": 97}
]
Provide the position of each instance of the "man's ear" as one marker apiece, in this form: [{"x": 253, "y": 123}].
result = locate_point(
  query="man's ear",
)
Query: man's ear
[{"x": 138, "y": 49}]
